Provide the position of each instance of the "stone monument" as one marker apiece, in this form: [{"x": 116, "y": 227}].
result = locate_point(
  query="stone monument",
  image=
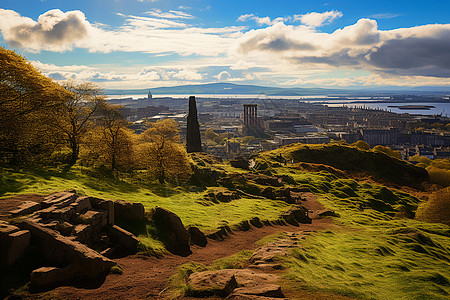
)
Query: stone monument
[{"x": 193, "y": 140}]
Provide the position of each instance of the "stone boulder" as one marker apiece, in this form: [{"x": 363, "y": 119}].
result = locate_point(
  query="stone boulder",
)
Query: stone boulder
[
  {"x": 128, "y": 211},
  {"x": 61, "y": 199},
  {"x": 13, "y": 243},
  {"x": 220, "y": 234},
  {"x": 82, "y": 204},
  {"x": 223, "y": 195},
  {"x": 243, "y": 225},
  {"x": 197, "y": 237},
  {"x": 244, "y": 282},
  {"x": 256, "y": 222},
  {"x": 327, "y": 213},
  {"x": 296, "y": 214},
  {"x": 240, "y": 162},
  {"x": 123, "y": 237},
  {"x": 283, "y": 194},
  {"x": 264, "y": 179},
  {"x": 83, "y": 264},
  {"x": 210, "y": 283},
  {"x": 26, "y": 208},
  {"x": 173, "y": 233},
  {"x": 264, "y": 290}
]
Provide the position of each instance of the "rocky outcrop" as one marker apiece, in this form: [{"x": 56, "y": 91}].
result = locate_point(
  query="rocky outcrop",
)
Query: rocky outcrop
[
  {"x": 197, "y": 237},
  {"x": 193, "y": 139},
  {"x": 240, "y": 162},
  {"x": 128, "y": 211},
  {"x": 13, "y": 243},
  {"x": 267, "y": 256},
  {"x": 82, "y": 263},
  {"x": 234, "y": 283},
  {"x": 123, "y": 237},
  {"x": 220, "y": 233},
  {"x": 296, "y": 214},
  {"x": 222, "y": 195},
  {"x": 26, "y": 208},
  {"x": 64, "y": 229},
  {"x": 266, "y": 290},
  {"x": 256, "y": 222},
  {"x": 210, "y": 283},
  {"x": 172, "y": 231},
  {"x": 327, "y": 213}
]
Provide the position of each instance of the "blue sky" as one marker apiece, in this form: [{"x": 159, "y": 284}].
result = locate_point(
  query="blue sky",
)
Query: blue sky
[{"x": 152, "y": 43}]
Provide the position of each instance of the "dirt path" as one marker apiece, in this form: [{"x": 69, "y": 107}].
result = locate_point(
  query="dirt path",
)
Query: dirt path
[{"x": 147, "y": 277}]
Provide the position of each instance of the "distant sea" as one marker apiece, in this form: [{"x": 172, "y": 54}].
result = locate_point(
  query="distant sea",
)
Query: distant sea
[{"x": 439, "y": 107}]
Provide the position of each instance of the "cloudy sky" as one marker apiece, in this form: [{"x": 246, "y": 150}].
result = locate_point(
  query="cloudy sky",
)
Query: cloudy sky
[{"x": 286, "y": 43}]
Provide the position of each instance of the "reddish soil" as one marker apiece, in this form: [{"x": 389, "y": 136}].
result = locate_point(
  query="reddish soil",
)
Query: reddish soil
[{"x": 148, "y": 277}]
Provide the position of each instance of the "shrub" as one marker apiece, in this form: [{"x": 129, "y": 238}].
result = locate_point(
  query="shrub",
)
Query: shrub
[
  {"x": 439, "y": 176},
  {"x": 388, "y": 151},
  {"x": 436, "y": 209},
  {"x": 361, "y": 145}
]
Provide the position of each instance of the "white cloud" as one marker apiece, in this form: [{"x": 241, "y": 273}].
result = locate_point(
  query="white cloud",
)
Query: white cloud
[
  {"x": 188, "y": 75},
  {"x": 53, "y": 31},
  {"x": 224, "y": 75},
  {"x": 421, "y": 50},
  {"x": 172, "y": 14},
  {"x": 315, "y": 19},
  {"x": 54, "y": 68},
  {"x": 58, "y": 31},
  {"x": 261, "y": 21}
]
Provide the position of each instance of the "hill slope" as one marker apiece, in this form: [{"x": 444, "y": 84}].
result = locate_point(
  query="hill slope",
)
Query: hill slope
[
  {"x": 350, "y": 158},
  {"x": 229, "y": 88}
]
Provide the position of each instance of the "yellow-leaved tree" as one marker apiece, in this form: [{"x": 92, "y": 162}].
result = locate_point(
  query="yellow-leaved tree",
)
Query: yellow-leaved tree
[
  {"x": 28, "y": 100},
  {"x": 109, "y": 142},
  {"x": 161, "y": 153},
  {"x": 76, "y": 114}
]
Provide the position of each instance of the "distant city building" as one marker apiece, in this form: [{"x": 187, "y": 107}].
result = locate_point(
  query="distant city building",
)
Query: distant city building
[
  {"x": 250, "y": 114},
  {"x": 383, "y": 137},
  {"x": 252, "y": 125},
  {"x": 149, "y": 95},
  {"x": 283, "y": 140}
]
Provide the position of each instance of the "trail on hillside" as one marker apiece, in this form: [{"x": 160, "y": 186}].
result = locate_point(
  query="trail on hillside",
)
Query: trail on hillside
[{"x": 148, "y": 277}]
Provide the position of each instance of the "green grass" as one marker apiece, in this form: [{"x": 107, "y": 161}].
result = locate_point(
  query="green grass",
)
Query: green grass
[
  {"x": 235, "y": 261},
  {"x": 374, "y": 264},
  {"x": 187, "y": 205},
  {"x": 375, "y": 254}
]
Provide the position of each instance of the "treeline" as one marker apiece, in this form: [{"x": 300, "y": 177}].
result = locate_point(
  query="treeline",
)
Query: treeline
[{"x": 43, "y": 123}]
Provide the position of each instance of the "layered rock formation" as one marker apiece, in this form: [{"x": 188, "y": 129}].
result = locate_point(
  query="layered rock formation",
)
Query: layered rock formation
[{"x": 65, "y": 228}]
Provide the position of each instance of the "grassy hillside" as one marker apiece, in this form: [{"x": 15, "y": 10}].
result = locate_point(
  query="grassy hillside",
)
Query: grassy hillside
[
  {"x": 378, "y": 251},
  {"x": 348, "y": 158}
]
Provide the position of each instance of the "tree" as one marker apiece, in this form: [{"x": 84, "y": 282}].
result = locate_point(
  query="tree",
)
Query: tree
[
  {"x": 211, "y": 135},
  {"x": 388, "y": 151},
  {"x": 76, "y": 113},
  {"x": 27, "y": 101},
  {"x": 109, "y": 141},
  {"x": 161, "y": 152},
  {"x": 361, "y": 145}
]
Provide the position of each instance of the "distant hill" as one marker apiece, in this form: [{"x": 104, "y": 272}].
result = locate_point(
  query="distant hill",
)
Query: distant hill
[{"x": 229, "y": 88}]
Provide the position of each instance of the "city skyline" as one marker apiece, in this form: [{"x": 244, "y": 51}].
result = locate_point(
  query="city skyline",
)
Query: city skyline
[{"x": 153, "y": 43}]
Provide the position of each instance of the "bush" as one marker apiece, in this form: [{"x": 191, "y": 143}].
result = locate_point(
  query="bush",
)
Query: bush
[
  {"x": 436, "y": 209},
  {"x": 439, "y": 176},
  {"x": 361, "y": 145},
  {"x": 388, "y": 151}
]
